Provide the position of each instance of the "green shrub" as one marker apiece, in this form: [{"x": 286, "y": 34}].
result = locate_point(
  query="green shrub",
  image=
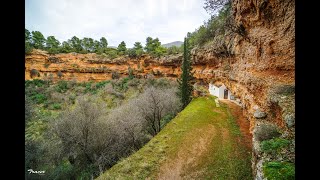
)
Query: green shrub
[
  {"x": 87, "y": 86},
  {"x": 28, "y": 48},
  {"x": 79, "y": 90},
  {"x": 162, "y": 82},
  {"x": 201, "y": 90},
  {"x": 121, "y": 85},
  {"x": 85, "y": 173},
  {"x": 130, "y": 73},
  {"x": 93, "y": 87},
  {"x": 72, "y": 98},
  {"x": 166, "y": 119},
  {"x": 63, "y": 171},
  {"x": 59, "y": 74},
  {"x": 101, "y": 84},
  {"x": 56, "y": 106},
  {"x": 159, "y": 51},
  {"x": 62, "y": 86},
  {"x": 115, "y": 75},
  {"x": 53, "y": 50},
  {"x": 279, "y": 170},
  {"x": 174, "y": 50},
  {"x": 34, "y": 72},
  {"x": 132, "y": 53},
  {"x": 274, "y": 145},
  {"x": 111, "y": 53},
  {"x": 151, "y": 82},
  {"x": 35, "y": 82},
  {"x": 71, "y": 84},
  {"x": 46, "y": 65},
  {"x": 124, "y": 84},
  {"x": 134, "y": 82},
  {"x": 216, "y": 25},
  {"x": 39, "y": 98}
]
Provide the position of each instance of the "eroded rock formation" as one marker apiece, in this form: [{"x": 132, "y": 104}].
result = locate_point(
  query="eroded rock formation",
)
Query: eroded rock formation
[{"x": 259, "y": 68}]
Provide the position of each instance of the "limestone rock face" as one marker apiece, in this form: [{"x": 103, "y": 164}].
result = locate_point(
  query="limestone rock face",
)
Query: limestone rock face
[
  {"x": 265, "y": 132},
  {"x": 93, "y": 67},
  {"x": 290, "y": 120},
  {"x": 259, "y": 69},
  {"x": 259, "y": 114}
]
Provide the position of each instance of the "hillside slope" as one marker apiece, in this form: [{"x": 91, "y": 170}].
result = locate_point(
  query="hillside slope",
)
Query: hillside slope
[
  {"x": 203, "y": 141},
  {"x": 175, "y": 43}
]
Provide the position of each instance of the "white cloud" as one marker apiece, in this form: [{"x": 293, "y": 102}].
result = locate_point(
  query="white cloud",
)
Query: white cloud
[{"x": 117, "y": 20}]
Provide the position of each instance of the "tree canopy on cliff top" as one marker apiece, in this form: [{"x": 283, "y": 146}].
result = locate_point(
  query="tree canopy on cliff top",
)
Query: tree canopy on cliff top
[{"x": 36, "y": 40}]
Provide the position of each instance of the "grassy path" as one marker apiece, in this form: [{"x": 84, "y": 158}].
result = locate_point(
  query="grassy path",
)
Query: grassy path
[{"x": 202, "y": 142}]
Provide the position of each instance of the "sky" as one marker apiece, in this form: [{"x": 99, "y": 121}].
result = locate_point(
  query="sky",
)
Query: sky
[{"x": 116, "y": 20}]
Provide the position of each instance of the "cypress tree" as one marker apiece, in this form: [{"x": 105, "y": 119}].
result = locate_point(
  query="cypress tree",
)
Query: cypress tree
[{"x": 185, "y": 81}]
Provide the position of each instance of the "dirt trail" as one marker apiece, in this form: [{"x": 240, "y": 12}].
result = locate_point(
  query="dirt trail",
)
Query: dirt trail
[
  {"x": 197, "y": 145},
  {"x": 242, "y": 122},
  {"x": 187, "y": 156}
]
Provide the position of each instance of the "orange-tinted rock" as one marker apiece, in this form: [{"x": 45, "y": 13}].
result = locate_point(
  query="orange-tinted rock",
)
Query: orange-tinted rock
[{"x": 258, "y": 62}]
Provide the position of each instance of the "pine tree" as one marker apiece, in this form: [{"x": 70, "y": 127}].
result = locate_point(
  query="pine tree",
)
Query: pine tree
[
  {"x": 185, "y": 81},
  {"x": 122, "y": 49}
]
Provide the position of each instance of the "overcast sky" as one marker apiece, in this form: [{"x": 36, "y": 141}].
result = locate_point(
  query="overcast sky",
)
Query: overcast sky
[{"x": 117, "y": 20}]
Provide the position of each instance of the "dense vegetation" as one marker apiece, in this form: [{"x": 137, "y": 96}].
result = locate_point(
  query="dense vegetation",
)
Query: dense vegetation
[
  {"x": 78, "y": 130},
  {"x": 275, "y": 170},
  {"x": 274, "y": 145},
  {"x": 36, "y": 40},
  {"x": 215, "y": 26},
  {"x": 220, "y": 25}
]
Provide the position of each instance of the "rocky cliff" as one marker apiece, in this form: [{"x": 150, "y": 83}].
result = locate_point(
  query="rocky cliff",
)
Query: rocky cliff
[
  {"x": 258, "y": 68},
  {"x": 85, "y": 67}
]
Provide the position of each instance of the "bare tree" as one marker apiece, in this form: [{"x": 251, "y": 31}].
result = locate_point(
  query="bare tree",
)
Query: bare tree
[
  {"x": 89, "y": 136},
  {"x": 213, "y": 6},
  {"x": 155, "y": 103},
  {"x": 127, "y": 121},
  {"x": 83, "y": 134}
]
